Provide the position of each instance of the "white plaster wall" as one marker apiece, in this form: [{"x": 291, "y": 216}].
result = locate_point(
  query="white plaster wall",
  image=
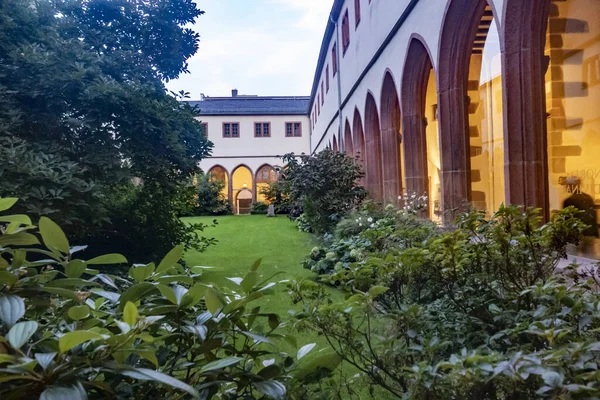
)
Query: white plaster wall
[
  {"x": 250, "y": 150},
  {"x": 377, "y": 21}
]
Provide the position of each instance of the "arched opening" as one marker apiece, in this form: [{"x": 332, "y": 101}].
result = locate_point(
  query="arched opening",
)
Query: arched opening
[
  {"x": 264, "y": 177},
  {"x": 241, "y": 180},
  {"x": 572, "y": 83},
  {"x": 391, "y": 141},
  {"x": 373, "y": 149},
  {"x": 334, "y": 145},
  {"x": 358, "y": 138},
  {"x": 485, "y": 110},
  {"x": 348, "y": 144},
  {"x": 421, "y": 131},
  {"x": 218, "y": 173}
]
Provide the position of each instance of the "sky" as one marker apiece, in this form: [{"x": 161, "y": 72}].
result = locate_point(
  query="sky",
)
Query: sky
[{"x": 260, "y": 47}]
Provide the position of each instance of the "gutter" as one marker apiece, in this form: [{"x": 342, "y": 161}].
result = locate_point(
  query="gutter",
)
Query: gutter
[{"x": 339, "y": 82}]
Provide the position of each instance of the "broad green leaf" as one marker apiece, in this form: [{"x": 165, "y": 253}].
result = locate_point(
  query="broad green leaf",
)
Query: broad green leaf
[
  {"x": 114, "y": 297},
  {"x": 272, "y": 389},
  {"x": 193, "y": 296},
  {"x": 170, "y": 259},
  {"x": 108, "y": 259},
  {"x": 328, "y": 361},
  {"x": 141, "y": 272},
  {"x": 77, "y": 313},
  {"x": 162, "y": 378},
  {"x": 76, "y": 392},
  {"x": 69, "y": 294},
  {"x": 166, "y": 279},
  {"x": 18, "y": 218},
  {"x": 213, "y": 302},
  {"x": 148, "y": 355},
  {"x": 72, "y": 339},
  {"x": 136, "y": 292},
  {"x": 75, "y": 268},
  {"x": 257, "y": 338},
  {"x": 220, "y": 364},
  {"x": 167, "y": 292},
  {"x": 130, "y": 314},
  {"x": 198, "y": 330},
  {"x": 250, "y": 280},
  {"x": 18, "y": 239},
  {"x": 45, "y": 359},
  {"x": 20, "y": 333},
  {"x": 274, "y": 321},
  {"x": 70, "y": 283},
  {"x": 256, "y": 264},
  {"x": 377, "y": 290},
  {"x": 12, "y": 309},
  {"x": 304, "y": 350},
  {"x": 7, "y": 202},
  {"x": 8, "y": 278},
  {"x": 54, "y": 238}
]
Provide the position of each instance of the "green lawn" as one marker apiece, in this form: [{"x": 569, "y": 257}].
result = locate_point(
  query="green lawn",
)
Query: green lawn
[{"x": 243, "y": 239}]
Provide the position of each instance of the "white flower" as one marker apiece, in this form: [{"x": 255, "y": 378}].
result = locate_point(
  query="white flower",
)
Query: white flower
[
  {"x": 359, "y": 224},
  {"x": 370, "y": 220},
  {"x": 372, "y": 225},
  {"x": 357, "y": 220}
]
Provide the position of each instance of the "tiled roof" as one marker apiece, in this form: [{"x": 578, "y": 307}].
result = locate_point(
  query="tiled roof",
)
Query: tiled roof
[{"x": 253, "y": 105}]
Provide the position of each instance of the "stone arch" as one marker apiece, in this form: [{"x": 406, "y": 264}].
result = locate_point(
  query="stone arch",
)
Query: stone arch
[
  {"x": 242, "y": 178},
  {"x": 334, "y": 145},
  {"x": 373, "y": 149},
  {"x": 358, "y": 138},
  {"x": 523, "y": 37},
  {"x": 265, "y": 175},
  {"x": 348, "y": 143},
  {"x": 220, "y": 173},
  {"x": 417, "y": 70},
  {"x": 391, "y": 140}
]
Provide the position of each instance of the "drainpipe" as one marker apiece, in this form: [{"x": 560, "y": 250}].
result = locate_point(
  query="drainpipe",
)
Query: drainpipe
[{"x": 339, "y": 83}]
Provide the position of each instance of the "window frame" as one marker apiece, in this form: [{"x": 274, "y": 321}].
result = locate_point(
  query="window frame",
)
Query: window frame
[
  {"x": 357, "y": 13},
  {"x": 293, "y": 123},
  {"x": 322, "y": 93},
  {"x": 262, "y": 129},
  {"x": 205, "y": 125},
  {"x": 327, "y": 78},
  {"x": 231, "y": 124},
  {"x": 334, "y": 58},
  {"x": 345, "y": 32}
]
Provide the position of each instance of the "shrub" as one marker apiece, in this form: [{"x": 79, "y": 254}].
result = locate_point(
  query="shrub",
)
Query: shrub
[
  {"x": 68, "y": 331},
  {"x": 325, "y": 186},
  {"x": 259, "y": 208},
  {"x": 302, "y": 224},
  {"x": 210, "y": 198},
  {"x": 476, "y": 312},
  {"x": 277, "y": 193}
]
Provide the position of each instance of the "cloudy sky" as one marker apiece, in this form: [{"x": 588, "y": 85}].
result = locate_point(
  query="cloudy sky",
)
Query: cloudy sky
[{"x": 262, "y": 47}]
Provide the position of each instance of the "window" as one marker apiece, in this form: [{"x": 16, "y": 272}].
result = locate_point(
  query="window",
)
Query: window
[
  {"x": 357, "y": 12},
  {"x": 345, "y": 32},
  {"x": 322, "y": 93},
  {"x": 334, "y": 58},
  {"x": 262, "y": 129},
  {"x": 231, "y": 129},
  {"x": 293, "y": 129},
  {"x": 327, "y": 78},
  {"x": 204, "y": 128},
  {"x": 319, "y": 105}
]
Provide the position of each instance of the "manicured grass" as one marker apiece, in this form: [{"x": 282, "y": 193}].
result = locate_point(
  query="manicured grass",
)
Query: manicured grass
[{"x": 243, "y": 239}]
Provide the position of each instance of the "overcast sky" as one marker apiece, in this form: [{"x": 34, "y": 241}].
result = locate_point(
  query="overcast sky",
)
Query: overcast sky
[{"x": 262, "y": 47}]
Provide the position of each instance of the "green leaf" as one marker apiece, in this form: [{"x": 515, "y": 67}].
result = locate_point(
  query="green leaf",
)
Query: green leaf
[
  {"x": 256, "y": 264},
  {"x": 12, "y": 309},
  {"x": 108, "y": 259},
  {"x": 7, "y": 202},
  {"x": 141, "y": 272},
  {"x": 141, "y": 373},
  {"x": 45, "y": 359},
  {"x": 8, "y": 278},
  {"x": 250, "y": 281},
  {"x": 54, "y": 238},
  {"x": 21, "y": 219},
  {"x": 69, "y": 294},
  {"x": 148, "y": 355},
  {"x": 135, "y": 293},
  {"x": 130, "y": 314},
  {"x": 213, "y": 302},
  {"x": 18, "y": 239},
  {"x": 220, "y": 364},
  {"x": 170, "y": 259},
  {"x": 272, "y": 389},
  {"x": 72, "y": 339},
  {"x": 167, "y": 292},
  {"x": 76, "y": 392},
  {"x": 114, "y": 297},
  {"x": 328, "y": 361},
  {"x": 75, "y": 268},
  {"x": 20, "y": 333},
  {"x": 77, "y": 313},
  {"x": 193, "y": 296},
  {"x": 274, "y": 321},
  {"x": 304, "y": 350},
  {"x": 377, "y": 290}
]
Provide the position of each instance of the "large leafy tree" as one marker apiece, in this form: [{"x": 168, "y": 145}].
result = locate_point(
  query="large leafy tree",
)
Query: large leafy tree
[{"x": 86, "y": 79}]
